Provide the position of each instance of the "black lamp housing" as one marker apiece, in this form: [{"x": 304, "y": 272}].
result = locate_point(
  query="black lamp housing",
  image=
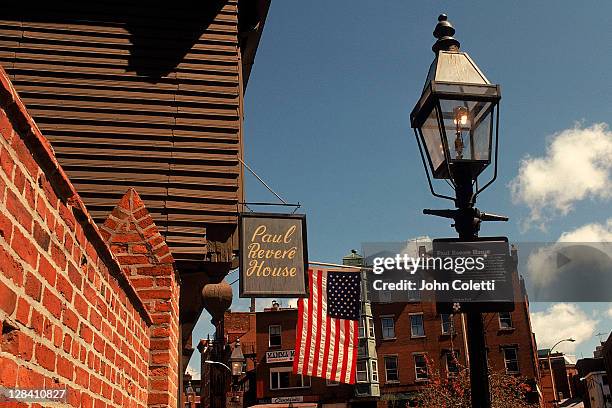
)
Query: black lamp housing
[{"x": 457, "y": 115}]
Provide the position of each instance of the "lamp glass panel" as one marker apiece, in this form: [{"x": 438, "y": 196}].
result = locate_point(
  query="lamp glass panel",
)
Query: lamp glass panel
[
  {"x": 467, "y": 125},
  {"x": 236, "y": 367},
  {"x": 430, "y": 132}
]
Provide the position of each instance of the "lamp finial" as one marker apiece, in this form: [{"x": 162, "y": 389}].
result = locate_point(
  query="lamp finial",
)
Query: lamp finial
[{"x": 444, "y": 32}]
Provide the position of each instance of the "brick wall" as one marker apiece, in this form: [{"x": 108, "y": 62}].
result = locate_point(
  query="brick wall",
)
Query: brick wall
[{"x": 70, "y": 316}]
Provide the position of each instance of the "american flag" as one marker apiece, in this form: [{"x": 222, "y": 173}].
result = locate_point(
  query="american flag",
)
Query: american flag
[{"x": 326, "y": 341}]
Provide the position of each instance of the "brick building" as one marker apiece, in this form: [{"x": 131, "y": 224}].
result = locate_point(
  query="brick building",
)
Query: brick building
[
  {"x": 269, "y": 362},
  {"x": 565, "y": 376},
  {"x": 86, "y": 308}
]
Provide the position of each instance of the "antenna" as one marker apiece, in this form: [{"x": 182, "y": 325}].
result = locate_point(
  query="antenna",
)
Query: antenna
[{"x": 601, "y": 334}]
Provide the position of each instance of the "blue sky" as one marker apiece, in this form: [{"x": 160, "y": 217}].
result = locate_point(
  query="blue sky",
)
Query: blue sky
[{"x": 327, "y": 119}]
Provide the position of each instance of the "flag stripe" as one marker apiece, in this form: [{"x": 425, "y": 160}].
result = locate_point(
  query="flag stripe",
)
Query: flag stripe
[
  {"x": 322, "y": 325},
  {"x": 307, "y": 327},
  {"x": 297, "y": 362},
  {"x": 356, "y": 345}
]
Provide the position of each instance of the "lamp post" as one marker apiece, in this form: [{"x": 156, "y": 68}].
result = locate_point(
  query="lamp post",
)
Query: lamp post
[
  {"x": 550, "y": 369},
  {"x": 456, "y": 122}
]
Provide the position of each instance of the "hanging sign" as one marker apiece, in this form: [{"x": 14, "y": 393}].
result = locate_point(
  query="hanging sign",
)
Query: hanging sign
[{"x": 273, "y": 255}]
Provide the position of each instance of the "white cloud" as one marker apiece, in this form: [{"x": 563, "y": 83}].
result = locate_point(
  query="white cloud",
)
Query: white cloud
[
  {"x": 576, "y": 166},
  {"x": 590, "y": 233},
  {"x": 562, "y": 321},
  {"x": 195, "y": 374},
  {"x": 609, "y": 312}
]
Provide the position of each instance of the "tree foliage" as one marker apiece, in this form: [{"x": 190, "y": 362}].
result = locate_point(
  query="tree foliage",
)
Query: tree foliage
[{"x": 507, "y": 391}]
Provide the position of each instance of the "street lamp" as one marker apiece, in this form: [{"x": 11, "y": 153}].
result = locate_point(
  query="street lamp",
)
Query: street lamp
[
  {"x": 552, "y": 376},
  {"x": 456, "y": 123},
  {"x": 237, "y": 360}
]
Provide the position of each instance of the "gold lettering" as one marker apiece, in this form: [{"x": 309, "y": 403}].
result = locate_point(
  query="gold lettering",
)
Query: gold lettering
[{"x": 289, "y": 233}]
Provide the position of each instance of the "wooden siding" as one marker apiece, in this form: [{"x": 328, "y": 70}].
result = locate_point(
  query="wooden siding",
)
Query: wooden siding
[{"x": 145, "y": 98}]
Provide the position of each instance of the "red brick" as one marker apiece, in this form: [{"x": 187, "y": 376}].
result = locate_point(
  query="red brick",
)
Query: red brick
[
  {"x": 29, "y": 194},
  {"x": 8, "y": 372},
  {"x": 18, "y": 344},
  {"x": 37, "y": 321},
  {"x": 147, "y": 294},
  {"x": 11, "y": 268},
  {"x": 45, "y": 357},
  {"x": 28, "y": 378},
  {"x": 7, "y": 163},
  {"x": 23, "y": 311},
  {"x": 95, "y": 319},
  {"x": 67, "y": 343},
  {"x": 47, "y": 271},
  {"x": 161, "y": 270},
  {"x": 81, "y": 306},
  {"x": 86, "y": 400},
  {"x": 64, "y": 287},
  {"x": 52, "y": 303},
  {"x": 86, "y": 333},
  {"x": 81, "y": 376},
  {"x": 75, "y": 275},
  {"x": 58, "y": 256},
  {"x": 133, "y": 260},
  {"x": 25, "y": 157},
  {"x": 8, "y": 299},
  {"x": 41, "y": 237},
  {"x": 67, "y": 216},
  {"x": 15, "y": 206},
  {"x": 33, "y": 287},
  {"x": 19, "y": 179},
  {"x": 71, "y": 320},
  {"x": 49, "y": 191},
  {"x": 6, "y": 228},
  {"x": 24, "y": 248},
  {"x": 65, "y": 368}
]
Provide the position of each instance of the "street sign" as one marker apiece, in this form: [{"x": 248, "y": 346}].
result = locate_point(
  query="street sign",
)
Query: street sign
[
  {"x": 273, "y": 255},
  {"x": 280, "y": 356},
  {"x": 481, "y": 277}
]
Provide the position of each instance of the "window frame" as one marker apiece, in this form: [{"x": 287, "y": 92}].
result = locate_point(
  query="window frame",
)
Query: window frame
[
  {"x": 412, "y": 335},
  {"x": 361, "y": 329},
  {"x": 370, "y": 331},
  {"x": 451, "y": 322},
  {"x": 280, "y": 336},
  {"x": 452, "y": 354},
  {"x": 383, "y": 318},
  {"x": 515, "y": 361},
  {"x": 416, "y": 368},
  {"x": 499, "y": 317},
  {"x": 385, "y": 358},
  {"x": 289, "y": 369},
  {"x": 357, "y": 371},
  {"x": 374, "y": 368}
]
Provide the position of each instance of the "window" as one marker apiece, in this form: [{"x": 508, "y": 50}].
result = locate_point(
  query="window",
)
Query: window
[
  {"x": 361, "y": 328},
  {"x": 420, "y": 366},
  {"x": 505, "y": 320},
  {"x": 388, "y": 327},
  {"x": 447, "y": 323},
  {"x": 511, "y": 359},
  {"x": 391, "y": 373},
  {"x": 362, "y": 371},
  {"x": 374, "y": 371},
  {"x": 452, "y": 364},
  {"x": 371, "y": 327},
  {"x": 331, "y": 383},
  {"x": 274, "y": 336},
  {"x": 416, "y": 325},
  {"x": 283, "y": 377}
]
